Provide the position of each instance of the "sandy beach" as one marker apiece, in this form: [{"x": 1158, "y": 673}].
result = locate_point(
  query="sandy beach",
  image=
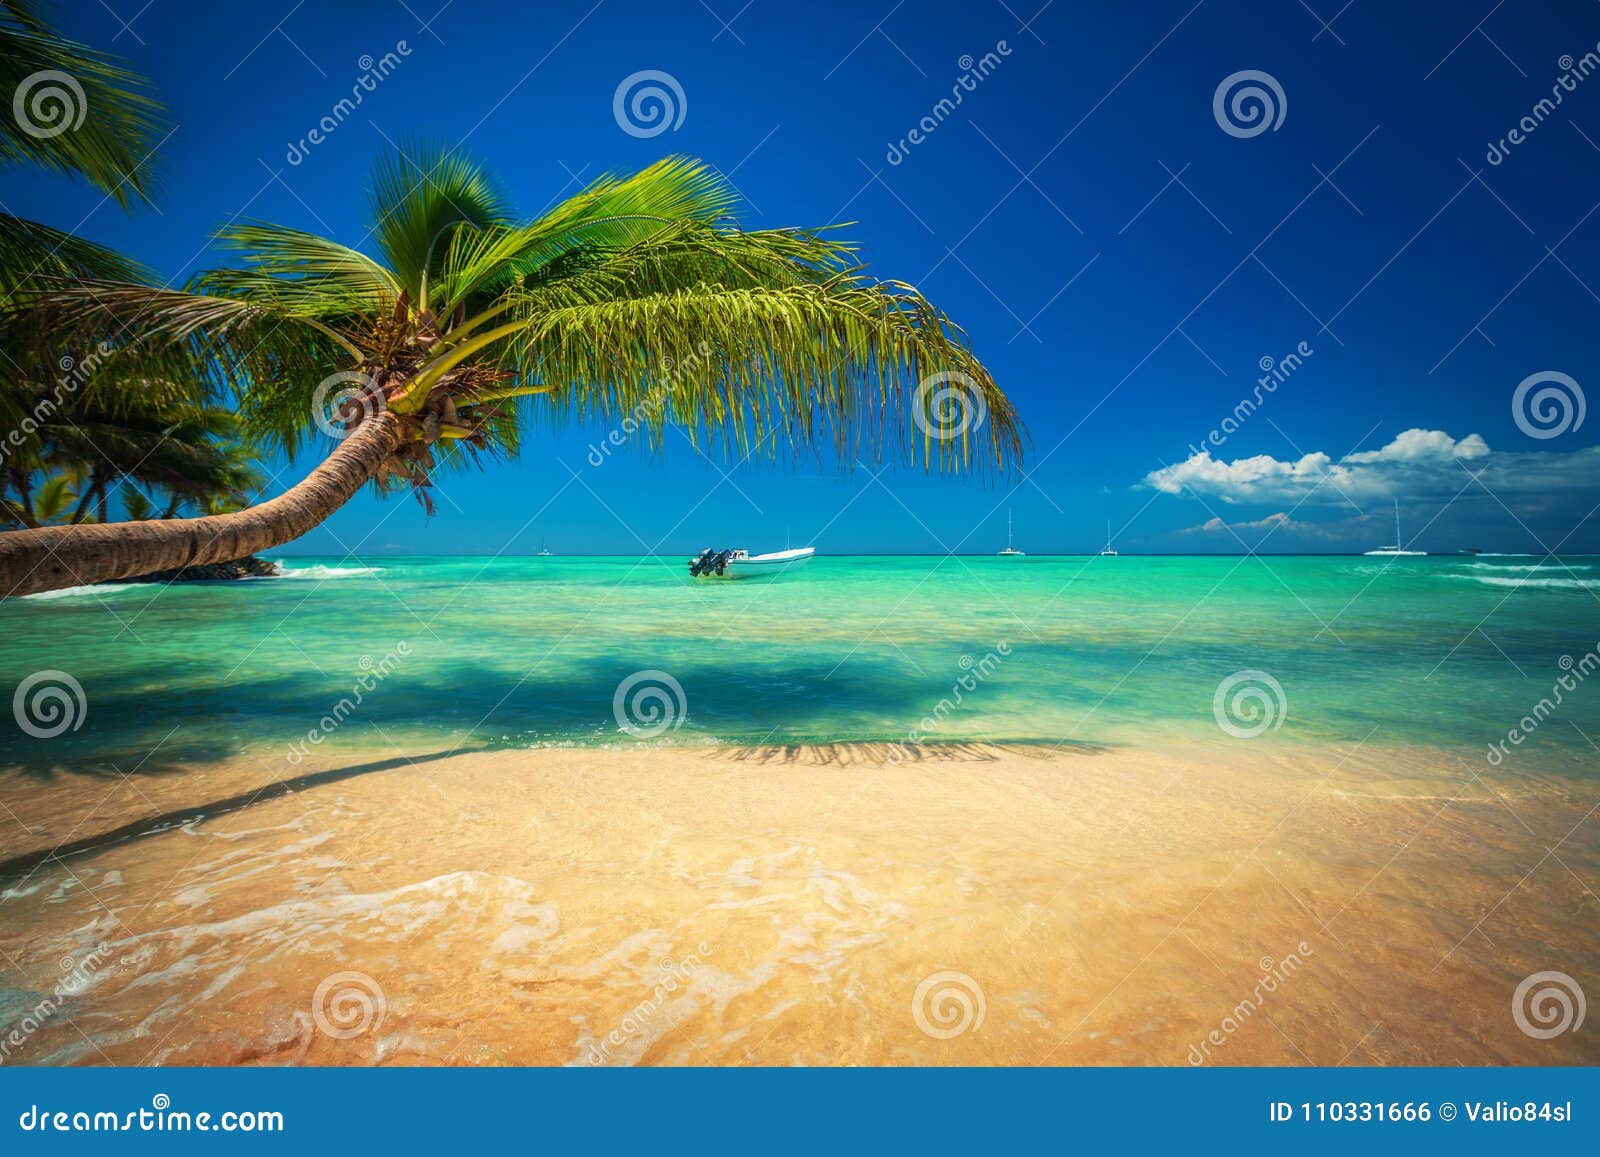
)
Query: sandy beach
[{"x": 812, "y": 905}]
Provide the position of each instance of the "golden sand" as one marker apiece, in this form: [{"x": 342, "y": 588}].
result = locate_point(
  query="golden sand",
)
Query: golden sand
[{"x": 973, "y": 905}]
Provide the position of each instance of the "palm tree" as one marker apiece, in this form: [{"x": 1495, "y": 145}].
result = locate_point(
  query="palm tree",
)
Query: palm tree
[
  {"x": 191, "y": 456},
  {"x": 637, "y": 299},
  {"x": 74, "y": 111}
]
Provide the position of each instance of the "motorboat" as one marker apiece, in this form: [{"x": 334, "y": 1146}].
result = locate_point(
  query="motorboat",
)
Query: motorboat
[{"x": 734, "y": 564}]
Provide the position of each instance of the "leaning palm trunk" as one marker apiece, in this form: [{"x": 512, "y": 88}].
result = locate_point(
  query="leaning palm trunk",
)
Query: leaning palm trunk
[
  {"x": 53, "y": 557},
  {"x": 638, "y": 302}
]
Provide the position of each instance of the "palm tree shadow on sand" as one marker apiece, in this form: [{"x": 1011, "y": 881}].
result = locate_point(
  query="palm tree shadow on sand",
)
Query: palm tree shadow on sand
[{"x": 24, "y": 863}]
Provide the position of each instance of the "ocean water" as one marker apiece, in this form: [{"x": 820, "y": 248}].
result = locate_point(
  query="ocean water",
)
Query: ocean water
[{"x": 422, "y": 655}]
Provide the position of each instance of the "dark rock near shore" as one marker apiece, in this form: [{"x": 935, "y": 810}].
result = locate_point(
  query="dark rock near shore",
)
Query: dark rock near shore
[{"x": 251, "y": 567}]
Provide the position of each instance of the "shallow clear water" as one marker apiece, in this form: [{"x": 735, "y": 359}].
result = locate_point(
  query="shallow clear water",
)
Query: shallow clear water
[{"x": 473, "y": 652}]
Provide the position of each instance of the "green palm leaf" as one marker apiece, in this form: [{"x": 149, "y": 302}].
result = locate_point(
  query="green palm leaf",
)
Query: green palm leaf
[{"x": 82, "y": 113}]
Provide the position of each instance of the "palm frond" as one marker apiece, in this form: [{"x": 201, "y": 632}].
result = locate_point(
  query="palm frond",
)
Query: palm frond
[
  {"x": 31, "y": 254},
  {"x": 613, "y": 212},
  {"x": 757, "y": 370},
  {"x": 301, "y": 273},
  {"x": 79, "y": 110},
  {"x": 168, "y": 343},
  {"x": 420, "y": 193}
]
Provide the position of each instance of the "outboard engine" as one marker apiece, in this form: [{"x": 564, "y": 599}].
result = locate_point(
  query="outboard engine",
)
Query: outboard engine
[
  {"x": 701, "y": 563},
  {"x": 721, "y": 562}
]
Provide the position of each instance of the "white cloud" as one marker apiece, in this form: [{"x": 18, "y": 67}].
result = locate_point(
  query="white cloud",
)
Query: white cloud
[
  {"x": 1418, "y": 464},
  {"x": 1278, "y": 521}
]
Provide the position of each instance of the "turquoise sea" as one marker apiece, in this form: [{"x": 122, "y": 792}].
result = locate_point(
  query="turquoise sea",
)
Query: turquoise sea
[{"x": 431, "y": 654}]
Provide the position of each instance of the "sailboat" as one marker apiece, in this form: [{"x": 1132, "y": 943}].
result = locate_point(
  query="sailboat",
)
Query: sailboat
[
  {"x": 1108, "y": 548},
  {"x": 544, "y": 551},
  {"x": 1011, "y": 551},
  {"x": 1398, "y": 549}
]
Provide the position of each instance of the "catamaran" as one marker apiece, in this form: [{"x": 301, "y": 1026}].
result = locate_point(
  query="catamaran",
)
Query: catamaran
[
  {"x": 1108, "y": 548},
  {"x": 1398, "y": 549},
  {"x": 732, "y": 564},
  {"x": 1011, "y": 551}
]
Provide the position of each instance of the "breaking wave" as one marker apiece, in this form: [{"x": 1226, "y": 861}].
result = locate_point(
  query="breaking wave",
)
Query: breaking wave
[{"x": 320, "y": 571}]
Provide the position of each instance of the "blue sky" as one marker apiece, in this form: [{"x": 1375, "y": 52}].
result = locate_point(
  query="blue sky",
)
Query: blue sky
[{"x": 1121, "y": 261}]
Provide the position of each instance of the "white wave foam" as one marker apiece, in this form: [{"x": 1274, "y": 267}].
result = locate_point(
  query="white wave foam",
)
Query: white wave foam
[
  {"x": 1508, "y": 567},
  {"x": 319, "y": 571},
  {"x": 1568, "y": 584},
  {"x": 93, "y": 589}
]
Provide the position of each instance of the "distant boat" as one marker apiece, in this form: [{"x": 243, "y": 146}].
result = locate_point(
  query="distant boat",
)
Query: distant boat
[
  {"x": 1011, "y": 551},
  {"x": 1471, "y": 550},
  {"x": 1397, "y": 550},
  {"x": 543, "y": 553},
  {"x": 1108, "y": 548},
  {"x": 733, "y": 564}
]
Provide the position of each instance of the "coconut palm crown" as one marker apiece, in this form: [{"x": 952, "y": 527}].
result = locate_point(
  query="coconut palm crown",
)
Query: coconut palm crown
[{"x": 639, "y": 300}]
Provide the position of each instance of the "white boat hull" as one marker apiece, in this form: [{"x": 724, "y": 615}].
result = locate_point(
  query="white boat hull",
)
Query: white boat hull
[
  {"x": 1395, "y": 554},
  {"x": 766, "y": 565}
]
